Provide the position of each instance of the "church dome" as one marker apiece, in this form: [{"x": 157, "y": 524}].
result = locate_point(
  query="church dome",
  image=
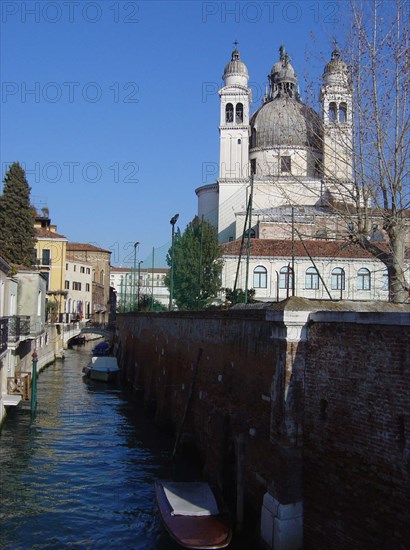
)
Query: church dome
[
  {"x": 283, "y": 71},
  {"x": 236, "y": 72},
  {"x": 284, "y": 121}
]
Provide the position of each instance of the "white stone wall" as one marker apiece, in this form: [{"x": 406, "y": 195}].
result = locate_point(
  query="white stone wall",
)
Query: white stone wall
[
  {"x": 151, "y": 282},
  {"x": 325, "y": 266}
]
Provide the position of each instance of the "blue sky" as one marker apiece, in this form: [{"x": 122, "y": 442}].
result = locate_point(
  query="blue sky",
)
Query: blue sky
[{"x": 112, "y": 106}]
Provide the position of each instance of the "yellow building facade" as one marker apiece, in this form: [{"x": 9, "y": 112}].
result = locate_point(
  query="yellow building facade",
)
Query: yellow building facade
[{"x": 51, "y": 251}]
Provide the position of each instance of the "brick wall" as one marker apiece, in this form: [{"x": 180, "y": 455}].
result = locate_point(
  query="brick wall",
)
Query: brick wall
[
  {"x": 335, "y": 387},
  {"x": 357, "y": 437},
  {"x": 231, "y": 396}
]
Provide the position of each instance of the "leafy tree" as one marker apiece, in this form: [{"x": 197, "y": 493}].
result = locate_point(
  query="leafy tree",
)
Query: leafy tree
[
  {"x": 237, "y": 296},
  {"x": 196, "y": 265},
  {"x": 17, "y": 235},
  {"x": 148, "y": 303}
]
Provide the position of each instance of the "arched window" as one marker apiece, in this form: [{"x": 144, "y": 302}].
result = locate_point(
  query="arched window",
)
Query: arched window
[
  {"x": 260, "y": 277},
  {"x": 102, "y": 277},
  {"x": 229, "y": 112},
  {"x": 332, "y": 112},
  {"x": 239, "y": 113},
  {"x": 312, "y": 278},
  {"x": 338, "y": 279},
  {"x": 363, "y": 279},
  {"x": 342, "y": 112},
  {"x": 286, "y": 277}
]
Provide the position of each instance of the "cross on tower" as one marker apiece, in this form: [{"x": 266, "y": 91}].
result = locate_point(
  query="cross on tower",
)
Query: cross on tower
[{"x": 236, "y": 44}]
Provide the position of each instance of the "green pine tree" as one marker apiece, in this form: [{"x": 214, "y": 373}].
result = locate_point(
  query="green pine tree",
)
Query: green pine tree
[
  {"x": 196, "y": 265},
  {"x": 17, "y": 235}
]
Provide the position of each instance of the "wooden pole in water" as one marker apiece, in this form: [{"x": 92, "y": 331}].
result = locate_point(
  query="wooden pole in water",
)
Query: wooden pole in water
[
  {"x": 240, "y": 465},
  {"x": 34, "y": 383},
  {"x": 188, "y": 401}
]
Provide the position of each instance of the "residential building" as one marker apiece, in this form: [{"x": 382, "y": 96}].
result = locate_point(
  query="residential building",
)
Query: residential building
[
  {"x": 22, "y": 329},
  {"x": 99, "y": 260},
  {"x": 130, "y": 285},
  {"x": 78, "y": 283},
  {"x": 51, "y": 249}
]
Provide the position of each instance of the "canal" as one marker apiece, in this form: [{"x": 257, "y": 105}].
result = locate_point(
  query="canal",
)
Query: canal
[{"x": 81, "y": 473}]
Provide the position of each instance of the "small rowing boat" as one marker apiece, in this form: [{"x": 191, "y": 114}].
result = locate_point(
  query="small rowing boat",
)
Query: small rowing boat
[{"x": 194, "y": 514}]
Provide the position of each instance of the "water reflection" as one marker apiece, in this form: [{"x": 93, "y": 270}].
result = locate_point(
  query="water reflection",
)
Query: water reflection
[{"x": 81, "y": 474}]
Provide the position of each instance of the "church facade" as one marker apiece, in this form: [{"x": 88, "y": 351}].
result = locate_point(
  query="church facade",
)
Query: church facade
[{"x": 281, "y": 169}]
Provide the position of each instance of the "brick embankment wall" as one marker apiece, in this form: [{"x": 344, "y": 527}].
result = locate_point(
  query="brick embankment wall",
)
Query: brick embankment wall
[
  {"x": 231, "y": 395},
  {"x": 357, "y": 437},
  {"x": 322, "y": 400}
]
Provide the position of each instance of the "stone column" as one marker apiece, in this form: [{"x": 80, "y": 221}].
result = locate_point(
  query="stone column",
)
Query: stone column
[{"x": 282, "y": 509}]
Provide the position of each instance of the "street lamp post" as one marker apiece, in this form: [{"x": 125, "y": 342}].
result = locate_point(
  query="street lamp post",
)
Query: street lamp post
[
  {"x": 138, "y": 284},
  {"x": 133, "y": 278},
  {"x": 173, "y": 221}
]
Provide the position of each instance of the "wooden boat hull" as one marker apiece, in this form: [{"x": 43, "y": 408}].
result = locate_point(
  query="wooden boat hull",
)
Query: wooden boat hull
[{"x": 196, "y": 532}]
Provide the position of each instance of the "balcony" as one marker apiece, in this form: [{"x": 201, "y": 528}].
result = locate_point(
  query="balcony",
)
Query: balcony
[
  {"x": 4, "y": 329},
  {"x": 19, "y": 327}
]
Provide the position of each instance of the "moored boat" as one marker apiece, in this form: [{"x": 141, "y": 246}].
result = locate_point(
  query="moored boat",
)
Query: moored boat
[
  {"x": 102, "y": 349},
  {"x": 102, "y": 369},
  {"x": 194, "y": 514}
]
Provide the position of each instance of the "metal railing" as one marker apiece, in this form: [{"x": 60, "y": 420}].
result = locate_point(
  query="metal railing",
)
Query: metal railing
[
  {"x": 4, "y": 329},
  {"x": 19, "y": 325}
]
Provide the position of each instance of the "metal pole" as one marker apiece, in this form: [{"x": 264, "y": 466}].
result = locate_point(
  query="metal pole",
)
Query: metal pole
[
  {"x": 133, "y": 278},
  {"x": 249, "y": 242},
  {"x": 293, "y": 251},
  {"x": 200, "y": 260},
  {"x": 122, "y": 295},
  {"x": 173, "y": 221},
  {"x": 138, "y": 283},
  {"x": 171, "y": 294},
  {"x": 152, "y": 282},
  {"x": 34, "y": 383},
  {"x": 125, "y": 293}
]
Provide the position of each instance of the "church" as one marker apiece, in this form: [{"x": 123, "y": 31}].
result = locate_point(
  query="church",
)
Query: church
[{"x": 281, "y": 171}]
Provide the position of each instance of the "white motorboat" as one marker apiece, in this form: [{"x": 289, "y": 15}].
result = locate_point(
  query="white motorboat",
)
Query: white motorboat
[{"x": 102, "y": 369}]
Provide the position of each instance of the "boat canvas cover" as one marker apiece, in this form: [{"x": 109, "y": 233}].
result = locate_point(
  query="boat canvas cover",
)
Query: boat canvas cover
[
  {"x": 190, "y": 498},
  {"x": 104, "y": 363}
]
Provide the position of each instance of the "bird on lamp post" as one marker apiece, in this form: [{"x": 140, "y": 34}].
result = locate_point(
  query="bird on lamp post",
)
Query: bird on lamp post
[{"x": 172, "y": 221}]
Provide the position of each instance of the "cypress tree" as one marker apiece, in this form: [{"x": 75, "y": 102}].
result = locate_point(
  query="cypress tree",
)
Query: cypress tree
[{"x": 17, "y": 234}]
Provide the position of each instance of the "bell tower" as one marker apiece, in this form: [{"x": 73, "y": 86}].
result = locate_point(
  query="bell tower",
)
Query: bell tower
[
  {"x": 234, "y": 120},
  {"x": 235, "y": 100},
  {"x": 337, "y": 112}
]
